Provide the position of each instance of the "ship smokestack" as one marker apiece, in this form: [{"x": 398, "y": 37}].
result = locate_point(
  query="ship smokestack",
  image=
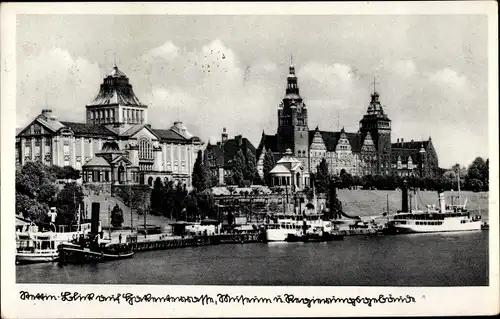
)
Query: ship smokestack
[
  {"x": 404, "y": 206},
  {"x": 442, "y": 203},
  {"x": 333, "y": 195}
]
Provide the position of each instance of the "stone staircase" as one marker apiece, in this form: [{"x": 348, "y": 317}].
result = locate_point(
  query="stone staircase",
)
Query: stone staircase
[{"x": 106, "y": 200}]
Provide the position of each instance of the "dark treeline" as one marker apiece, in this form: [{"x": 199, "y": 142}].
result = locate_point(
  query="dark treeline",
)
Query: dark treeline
[
  {"x": 37, "y": 190},
  {"x": 474, "y": 178}
]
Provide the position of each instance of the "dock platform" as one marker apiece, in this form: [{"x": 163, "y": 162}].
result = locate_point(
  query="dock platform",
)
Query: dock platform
[{"x": 164, "y": 242}]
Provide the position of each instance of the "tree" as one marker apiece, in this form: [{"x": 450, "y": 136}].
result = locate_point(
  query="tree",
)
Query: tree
[
  {"x": 250, "y": 167},
  {"x": 157, "y": 197},
  {"x": 322, "y": 177},
  {"x": 238, "y": 168},
  {"x": 200, "y": 175},
  {"x": 69, "y": 199},
  {"x": 268, "y": 164},
  {"x": 346, "y": 180},
  {"x": 228, "y": 180},
  {"x": 116, "y": 216},
  {"x": 477, "y": 174},
  {"x": 206, "y": 204},
  {"x": 191, "y": 205},
  {"x": 180, "y": 195},
  {"x": 47, "y": 193},
  {"x": 168, "y": 199}
]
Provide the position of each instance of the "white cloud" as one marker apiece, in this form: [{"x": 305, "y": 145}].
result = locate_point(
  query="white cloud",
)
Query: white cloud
[
  {"x": 168, "y": 51},
  {"x": 450, "y": 78},
  {"x": 405, "y": 68},
  {"x": 65, "y": 82}
]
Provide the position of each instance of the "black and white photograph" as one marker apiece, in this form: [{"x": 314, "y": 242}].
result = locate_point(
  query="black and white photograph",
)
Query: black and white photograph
[{"x": 251, "y": 150}]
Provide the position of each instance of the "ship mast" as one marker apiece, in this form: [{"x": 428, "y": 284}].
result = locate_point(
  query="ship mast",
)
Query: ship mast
[{"x": 458, "y": 180}]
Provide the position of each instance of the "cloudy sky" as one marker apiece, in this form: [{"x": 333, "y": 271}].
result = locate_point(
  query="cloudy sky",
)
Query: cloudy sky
[{"x": 230, "y": 71}]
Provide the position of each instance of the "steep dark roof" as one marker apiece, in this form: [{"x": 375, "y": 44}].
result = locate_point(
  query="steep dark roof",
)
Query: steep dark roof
[
  {"x": 170, "y": 135},
  {"x": 406, "y": 149},
  {"x": 410, "y": 145},
  {"x": 116, "y": 89},
  {"x": 88, "y": 129},
  {"x": 270, "y": 142},
  {"x": 331, "y": 139},
  {"x": 232, "y": 146},
  {"x": 215, "y": 152},
  {"x": 404, "y": 154}
]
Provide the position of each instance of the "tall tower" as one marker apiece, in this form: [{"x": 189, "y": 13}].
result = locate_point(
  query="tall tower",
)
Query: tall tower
[
  {"x": 293, "y": 132},
  {"x": 378, "y": 124},
  {"x": 116, "y": 104}
]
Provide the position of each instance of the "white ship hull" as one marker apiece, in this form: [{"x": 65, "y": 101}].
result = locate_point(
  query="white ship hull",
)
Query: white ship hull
[
  {"x": 278, "y": 234},
  {"x": 39, "y": 257},
  {"x": 447, "y": 226}
]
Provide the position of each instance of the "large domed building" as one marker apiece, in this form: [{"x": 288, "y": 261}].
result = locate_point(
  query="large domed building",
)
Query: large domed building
[{"x": 115, "y": 144}]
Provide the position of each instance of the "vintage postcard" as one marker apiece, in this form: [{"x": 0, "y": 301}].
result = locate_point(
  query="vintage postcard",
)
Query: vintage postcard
[{"x": 249, "y": 159}]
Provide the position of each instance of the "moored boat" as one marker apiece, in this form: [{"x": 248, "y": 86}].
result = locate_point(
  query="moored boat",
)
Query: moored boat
[
  {"x": 88, "y": 249},
  {"x": 294, "y": 224},
  {"x": 34, "y": 246},
  {"x": 444, "y": 218},
  {"x": 314, "y": 237}
]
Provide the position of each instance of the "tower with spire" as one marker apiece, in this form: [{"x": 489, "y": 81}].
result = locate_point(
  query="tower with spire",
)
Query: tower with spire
[
  {"x": 116, "y": 106},
  {"x": 293, "y": 131},
  {"x": 377, "y": 123}
]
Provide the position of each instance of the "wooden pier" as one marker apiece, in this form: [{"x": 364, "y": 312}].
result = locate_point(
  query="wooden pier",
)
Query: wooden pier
[{"x": 171, "y": 243}]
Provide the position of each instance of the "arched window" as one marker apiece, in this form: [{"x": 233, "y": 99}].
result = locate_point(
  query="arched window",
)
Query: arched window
[
  {"x": 145, "y": 149},
  {"x": 150, "y": 181}
]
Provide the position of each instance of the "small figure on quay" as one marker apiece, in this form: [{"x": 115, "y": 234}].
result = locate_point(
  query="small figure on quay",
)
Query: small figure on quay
[{"x": 120, "y": 238}]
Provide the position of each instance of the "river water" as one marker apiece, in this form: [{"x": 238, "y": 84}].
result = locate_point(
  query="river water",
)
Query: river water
[{"x": 451, "y": 259}]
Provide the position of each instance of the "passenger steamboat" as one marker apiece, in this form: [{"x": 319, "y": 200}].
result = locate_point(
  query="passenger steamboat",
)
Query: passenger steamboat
[{"x": 445, "y": 218}]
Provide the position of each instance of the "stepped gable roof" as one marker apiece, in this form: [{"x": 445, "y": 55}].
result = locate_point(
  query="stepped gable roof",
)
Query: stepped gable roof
[
  {"x": 97, "y": 162},
  {"x": 84, "y": 129},
  {"x": 116, "y": 89},
  {"x": 331, "y": 140}
]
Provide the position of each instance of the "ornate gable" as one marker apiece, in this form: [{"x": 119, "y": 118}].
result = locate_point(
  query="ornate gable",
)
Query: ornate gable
[
  {"x": 317, "y": 143},
  {"x": 343, "y": 144},
  {"x": 368, "y": 145}
]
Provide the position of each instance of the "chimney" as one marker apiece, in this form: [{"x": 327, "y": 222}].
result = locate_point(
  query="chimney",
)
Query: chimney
[
  {"x": 397, "y": 143},
  {"x": 404, "y": 204},
  {"x": 238, "y": 139},
  {"x": 224, "y": 136},
  {"x": 47, "y": 113},
  {"x": 402, "y": 142},
  {"x": 442, "y": 203}
]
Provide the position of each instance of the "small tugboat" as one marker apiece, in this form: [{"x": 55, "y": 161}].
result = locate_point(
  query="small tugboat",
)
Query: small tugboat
[
  {"x": 314, "y": 237},
  {"x": 87, "y": 249}
]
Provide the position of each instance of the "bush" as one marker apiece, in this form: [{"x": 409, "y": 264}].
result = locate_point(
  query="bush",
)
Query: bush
[{"x": 116, "y": 217}]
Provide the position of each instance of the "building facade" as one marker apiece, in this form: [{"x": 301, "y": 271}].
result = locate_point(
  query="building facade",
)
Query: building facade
[
  {"x": 115, "y": 144},
  {"x": 219, "y": 158},
  {"x": 368, "y": 151}
]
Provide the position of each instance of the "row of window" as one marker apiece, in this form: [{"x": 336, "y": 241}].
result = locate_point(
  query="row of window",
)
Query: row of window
[
  {"x": 108, "y": 116},
  {"x": 433, "y": 223}
]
